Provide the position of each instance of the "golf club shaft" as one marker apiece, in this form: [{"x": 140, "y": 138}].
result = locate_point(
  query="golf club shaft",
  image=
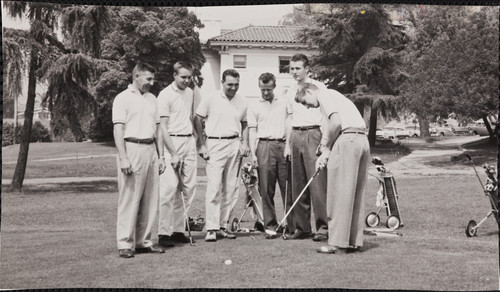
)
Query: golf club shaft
[
  {"x": 298, "y": 198},
  {"x": 239, "y": 166},
  {"x": 179, "y": 172}
]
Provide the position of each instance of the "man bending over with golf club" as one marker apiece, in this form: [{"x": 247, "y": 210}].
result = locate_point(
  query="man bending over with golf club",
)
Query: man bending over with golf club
[
  {"x": 135, "y": 128},
  {"x": 227, "y": 139},
  {"x": 178, "y": 182},
  {"x": 267, "y": 118},
  {"x": 346, "y": 153}
]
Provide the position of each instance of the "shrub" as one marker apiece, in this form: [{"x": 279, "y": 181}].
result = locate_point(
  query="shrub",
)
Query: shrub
[{"x": 39, "y": 133}]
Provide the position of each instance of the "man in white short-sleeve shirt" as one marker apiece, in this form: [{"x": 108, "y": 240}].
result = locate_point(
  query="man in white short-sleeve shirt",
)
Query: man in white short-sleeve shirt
[
  {"x": 224, "y": 114},
  {"x": 346, "y": 153},
  {"x": 303, "y": 140},
  {"x": 135, "y": 129},
  {"x": 267, "y": 119},
  {"x": 175, "y": 107}
]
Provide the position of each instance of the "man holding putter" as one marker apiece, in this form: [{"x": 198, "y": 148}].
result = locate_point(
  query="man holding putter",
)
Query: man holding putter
[
  {"x": 267, "y": 120},
  {"x": 175, "y": 106},
  {"x": 346, "y": 153}
]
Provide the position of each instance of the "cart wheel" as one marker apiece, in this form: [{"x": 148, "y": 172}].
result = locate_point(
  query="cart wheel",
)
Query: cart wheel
[
  {"x": 259, "y": 225},
  {"x": 372, "y": 219},
  {"x": 234, "y": 224},
  {"x": 393, "y": 222},
  {"x": 471, "y": 229}
]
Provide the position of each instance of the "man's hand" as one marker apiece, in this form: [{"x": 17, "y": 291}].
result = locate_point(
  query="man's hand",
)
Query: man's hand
[
  {"x": 322, "y": 160},
  {"x": 174, "y": 161},
  {"x": 244, "y": 149},
  {"x": 287, "y": 152},
  {"x": 203, "y": 152},
  {"x": 161, "y": 164},
  {"x": 254, "y": 160},
  {"x": 125, "y": 166}
]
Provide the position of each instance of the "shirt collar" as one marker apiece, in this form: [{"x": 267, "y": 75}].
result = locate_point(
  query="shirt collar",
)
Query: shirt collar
[
  {"x": 175, "y": 87},
  {"x": 275, "y": 98},
  {"x": 135, "y": 90}
]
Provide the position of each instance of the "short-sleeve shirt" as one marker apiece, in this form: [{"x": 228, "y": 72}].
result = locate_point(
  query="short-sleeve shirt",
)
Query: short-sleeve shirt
[
  {"x": 302, "y": 116},
  {"x": 268, "y": 117},
  {"x": 138, "y": 112},
  {"x": 177, "y": 105},
  {"x": 223, "y": 116},
  {"x": 332, "y": 101}
]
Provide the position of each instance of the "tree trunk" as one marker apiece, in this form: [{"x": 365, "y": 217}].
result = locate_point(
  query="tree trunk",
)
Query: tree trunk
[
  {"x": 373, "y": 126},
  {"x": 16, "y": 121},
  {"x": 490, "y": 131},
  {"x": 424, "y": 126},
  {"x": 22, "y": 159}
]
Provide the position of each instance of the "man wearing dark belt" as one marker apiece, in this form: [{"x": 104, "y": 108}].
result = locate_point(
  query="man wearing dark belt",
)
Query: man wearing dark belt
[
  {"x": 175, "y": 106},
  {"x": 267, "y": 118},
  {"x": 135, "y": 125},
  {"x": 227, "y": 139},
  {"x": 304, "y": 138},
  {"x": 346, "y": 153}
]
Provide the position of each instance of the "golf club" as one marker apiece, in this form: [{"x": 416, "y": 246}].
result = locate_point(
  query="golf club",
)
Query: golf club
[
  {"x": 474, "y": 166},
  {"x": 239, "y": 166},
  {"x": 179, "y": 172},
  {"x": 286, "y": 190},
  {"x": 298, "y": 198}
]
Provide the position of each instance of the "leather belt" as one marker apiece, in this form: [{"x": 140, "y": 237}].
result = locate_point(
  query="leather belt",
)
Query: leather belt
[
  {"x": 139, "y": 141},
  {"x": 305, "y": 128},
  {"x": 273, "y": 139},
  {"x": 353, "y": 132},
  {"x": 227, "y": 138},
  {"x": 181, "y": 135}
]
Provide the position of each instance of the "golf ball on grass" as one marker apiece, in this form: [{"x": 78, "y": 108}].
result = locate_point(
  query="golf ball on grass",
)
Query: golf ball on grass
[{"x": 228, "y": 262}]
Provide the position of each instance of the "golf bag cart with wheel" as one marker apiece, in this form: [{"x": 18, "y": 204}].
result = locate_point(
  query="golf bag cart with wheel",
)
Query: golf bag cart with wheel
[
  {"x": 252, "y": 199},
  {"x": 387, "y": 197},
  {"x": 491, "y": 191}
]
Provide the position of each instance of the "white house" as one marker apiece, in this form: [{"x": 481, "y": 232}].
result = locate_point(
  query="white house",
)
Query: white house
[{"x": 252, "y": 50}]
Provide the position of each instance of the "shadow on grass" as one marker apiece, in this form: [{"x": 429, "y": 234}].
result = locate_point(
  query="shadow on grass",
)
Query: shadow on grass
[{"x": 83, "y": 187}]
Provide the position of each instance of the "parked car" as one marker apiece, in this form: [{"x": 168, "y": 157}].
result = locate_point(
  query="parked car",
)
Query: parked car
[
  {"x": 402, "y": 133},
  {"x": 461, "y": 130},
  {"x": 413, "y": 131},
  {"x": 386, "y": 133},
  {"x": 441, "y": 131},
  {"x": 479, "y": 128}
]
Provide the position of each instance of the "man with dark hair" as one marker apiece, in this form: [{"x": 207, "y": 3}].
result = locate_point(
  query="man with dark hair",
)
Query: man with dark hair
[
  {"x": 135, "y": 125},
  {"x": 302, "y": 141},
  {"x": 267, "y": 119},
  {"x": 175, "y": 107},
  {"x": 346, "y": 153},
  {"x": 227, "y": 139}
]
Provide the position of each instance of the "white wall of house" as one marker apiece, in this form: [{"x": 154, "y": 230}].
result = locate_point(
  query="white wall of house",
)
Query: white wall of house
[{"x": 258, "y": 61}]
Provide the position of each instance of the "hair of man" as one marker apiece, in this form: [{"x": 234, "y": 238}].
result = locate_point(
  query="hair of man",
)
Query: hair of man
[
  {"x": 300, "y": 57},
  {"x": 267, "y": 77},
  {"x": 303, "y": 91},
  {"x": 182, "y": 64},
  {"x": 230, "y": 72},
  {"x": 142, "y": 67}
]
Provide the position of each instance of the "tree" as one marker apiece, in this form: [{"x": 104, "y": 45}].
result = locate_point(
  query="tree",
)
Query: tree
[
  {"x": 300, "y": 16},
  {"x": 453, "y": 64},
  {"x": 359, "y": 48}
]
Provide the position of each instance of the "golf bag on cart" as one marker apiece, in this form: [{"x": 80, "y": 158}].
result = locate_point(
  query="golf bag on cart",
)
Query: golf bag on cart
[
  {"x": 252, "y": 198},
  {"x": 491, "y": 191},
  {"x": 387, "y": 197}
]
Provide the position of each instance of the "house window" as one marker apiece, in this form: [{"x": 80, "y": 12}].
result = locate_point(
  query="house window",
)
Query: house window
[
  {"x": 284, "y": 65},
  {"x": 240, "y": 61}
]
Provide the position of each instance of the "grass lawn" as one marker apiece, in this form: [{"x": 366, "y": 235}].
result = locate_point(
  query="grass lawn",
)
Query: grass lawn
[{"x": 63, "y": 236}]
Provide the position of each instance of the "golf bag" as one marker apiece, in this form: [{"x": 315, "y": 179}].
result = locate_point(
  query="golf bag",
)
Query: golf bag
[
  {"x": 387, "y": 197},
  {"x": 491, "y": 191},
  {"x": 252, "y": 198}
]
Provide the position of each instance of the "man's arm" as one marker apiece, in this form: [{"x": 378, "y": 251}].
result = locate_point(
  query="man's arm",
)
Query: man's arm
[
  {"x": 333, "y": 131},
  {"x": 288, "y": 129},
  {"x": 159, "y": 149},
  {"x": 167, "y": 141},
  {"x": 198, "y": 127},
  {"x": 118, "y": 135},
  {"x": 252, "y": 136},
  {"x": 244, "y": 148}
]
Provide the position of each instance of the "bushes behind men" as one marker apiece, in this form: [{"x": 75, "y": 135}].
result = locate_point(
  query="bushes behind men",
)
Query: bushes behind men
[{"x": 39, "y": 133}]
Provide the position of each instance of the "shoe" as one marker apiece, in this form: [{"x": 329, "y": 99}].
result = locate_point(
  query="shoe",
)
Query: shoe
[
  {"x": 272, "y": 236},
  {"x": 320, "y": 237},
  {"x": 211, "y": 236},
  {"x": 165, "y": 241},
  {"x": 300, "y": 235},
  {"x": 328, "y": 249},
  {"x": 179, "y": 237},
  {"x": 223, "y": 233},
  {"x": 279, "y": 229},
  {"x": 126, "y": 253},
  {"x": 149, "y": 249}
]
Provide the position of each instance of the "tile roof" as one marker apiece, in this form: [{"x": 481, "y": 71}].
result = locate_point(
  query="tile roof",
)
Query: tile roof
[{"x": 261, "y": 34}]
